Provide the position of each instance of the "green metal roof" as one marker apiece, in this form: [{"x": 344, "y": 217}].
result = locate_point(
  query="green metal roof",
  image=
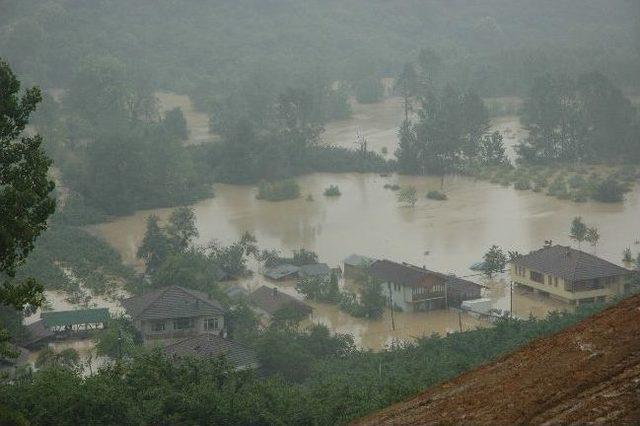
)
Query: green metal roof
[{"x": 82, "y": 316}]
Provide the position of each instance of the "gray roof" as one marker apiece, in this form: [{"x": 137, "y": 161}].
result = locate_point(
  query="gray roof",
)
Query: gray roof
[
  {"x": 272, "y": 300},
  {"x": 36, "y": 332},
  {"x": 281, "y": 271},
  {"x": 171, "y": 302},
  {"x": 569, "y": 263},
  {"x": 208, "y": 345},
  {"x": 315, "y": 269},
  {"x": 236, "y": 291},
  {"x": 358, "y": 260},
  {"x": 400, "y": 273}
]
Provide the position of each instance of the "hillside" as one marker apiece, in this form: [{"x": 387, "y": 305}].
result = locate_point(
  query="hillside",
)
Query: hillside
[{"x": 589, "y": 372}]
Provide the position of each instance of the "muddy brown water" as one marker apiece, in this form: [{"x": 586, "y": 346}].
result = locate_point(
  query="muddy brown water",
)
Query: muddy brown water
[{"x": 445, "y": 236}]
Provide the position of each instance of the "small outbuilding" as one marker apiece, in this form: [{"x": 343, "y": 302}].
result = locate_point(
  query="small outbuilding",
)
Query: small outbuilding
[
  {"x": 282, "y": 272},
  {"x": 356, "y": 266},
  {"x": 315, "y": 270}
]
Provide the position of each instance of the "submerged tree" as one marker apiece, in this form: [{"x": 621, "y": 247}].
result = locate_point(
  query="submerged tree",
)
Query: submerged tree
[
  {"x": 408, "y": 196},
  {"x": 494, "y": 261},
  {"x": 592, "y": 236},
  {"x": 578, "y": 231}
]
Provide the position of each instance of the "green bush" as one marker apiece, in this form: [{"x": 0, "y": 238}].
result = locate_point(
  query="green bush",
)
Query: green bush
[
  {"x": 286, "y": 189},
  {"x": 393, "y": 187},
  {"x": 332, "y": 191},
  {"x": 558, "y": 188},
  {"x": 436, "y": 195},
  {"x": 522, "y": 184},
  {"x": 609, "y": 191}
]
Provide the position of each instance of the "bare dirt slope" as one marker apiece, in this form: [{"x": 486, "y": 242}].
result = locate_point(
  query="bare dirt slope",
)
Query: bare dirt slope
[{"x": 589, "y": 372}]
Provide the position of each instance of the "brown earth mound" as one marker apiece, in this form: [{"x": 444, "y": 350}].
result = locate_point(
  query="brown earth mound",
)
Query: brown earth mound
[{"x": 589, "y": 372}]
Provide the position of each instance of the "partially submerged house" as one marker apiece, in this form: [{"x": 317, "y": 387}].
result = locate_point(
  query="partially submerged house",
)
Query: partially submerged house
[
  {"x": 175, "y": 312},
  {"x": 570, "y": 275},
  {"x": 61, "y": 324},
  {"x": 357, "y": 266},
  {"x": 460, "y": 290},
  {"x": 315, "y": 270},
  {"x": 208, "y": 345},
  {"x": 267, "y": 301},
  {"x": 282, "y": 272},
  {"x": 414, "y": 288},
  {"x": 410, "y": 287},
  {"x": 37, "y": 336}
]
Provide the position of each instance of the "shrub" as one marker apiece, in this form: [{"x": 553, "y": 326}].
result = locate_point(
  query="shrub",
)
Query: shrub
[
  {"x": 577, "y": 181},
  {"x": 286, "y": 189},
  {"x": 539, "y": 183},
  {"x": 558, "y": 188},
  {"x": 436, "y": 195},
  {"x": 408, "y": 196},
  {"x": 522, "y": 184},
  {"x": 609, "y": 191},
  {"x": 332, "y": 191},
  {"x": 393, "y": 187}
]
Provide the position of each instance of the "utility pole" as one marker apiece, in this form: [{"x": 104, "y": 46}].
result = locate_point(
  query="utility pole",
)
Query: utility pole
[
  {"x": 511, "y": 300},
  {"x": 393, "y": 321},
  {"x": 460, "y": 320}
]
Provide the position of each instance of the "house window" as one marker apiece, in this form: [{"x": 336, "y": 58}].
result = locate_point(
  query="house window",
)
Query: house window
[
  {"x": 211, "y": 324},
  {"x": 555, "y": 281},
  {"x": 536, "y": 276},
  {"x": 157, "y": 326},
  {"x": 183, "y": 323}
]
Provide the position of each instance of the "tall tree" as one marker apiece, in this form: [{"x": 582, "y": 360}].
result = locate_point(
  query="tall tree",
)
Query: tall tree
[{"x": 25, "y": 201}]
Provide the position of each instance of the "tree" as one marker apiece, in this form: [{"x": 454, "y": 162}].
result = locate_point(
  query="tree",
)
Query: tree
[
  {"x": 494, "y": 261},
  {"x": 67, "y": 359},
  {"x": 369, "y": 90},
  {"x": 182, "y": 229},
  {"x": 119, "y": 339},
  {"x": 372, "y": 299},
  {"x": 304, "y": 257},
  {"x": 492, "y": 149},
  {"x": 407, "y": 84},
  {"x": 155, "y": 247},
  {"x": 176, "y": 124},
  {"x": 627, "y": 257},
  {"x": 408, "y": 196},
  {"x": 578, "y": 231},
  {"x": 25, "y": 201},
  {"x": 592, "y": 236}
]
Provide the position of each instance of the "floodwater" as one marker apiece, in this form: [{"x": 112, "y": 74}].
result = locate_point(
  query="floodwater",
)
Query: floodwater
[
  {"x": 378, "y": 124},
  {"x": 445, "y": 236},
  {"x": 197, "y": 121}
]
